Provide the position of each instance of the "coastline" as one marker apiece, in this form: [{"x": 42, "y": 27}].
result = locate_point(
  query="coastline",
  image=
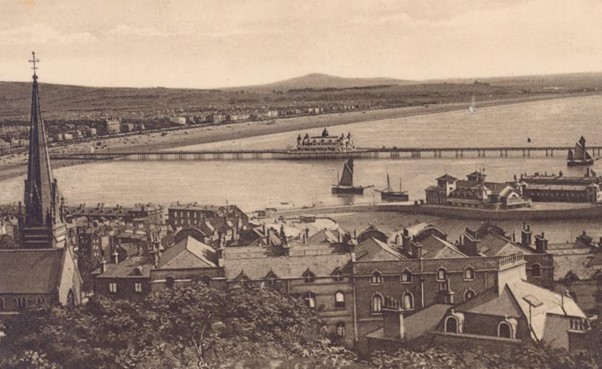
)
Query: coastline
[{"x": 15, "y": 165}]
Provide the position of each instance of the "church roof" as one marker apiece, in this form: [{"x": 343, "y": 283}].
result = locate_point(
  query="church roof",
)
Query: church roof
[{"x": 31, "y": 271}]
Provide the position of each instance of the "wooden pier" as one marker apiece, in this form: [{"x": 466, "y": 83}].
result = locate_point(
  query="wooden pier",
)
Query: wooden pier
[{"x": 363, "y": 153}]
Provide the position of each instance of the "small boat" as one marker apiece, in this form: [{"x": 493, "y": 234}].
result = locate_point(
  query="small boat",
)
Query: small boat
[
  {"x": 580, "y": 156},
  {"x": 389, "y": 195},
  {"x": 345, "y": 185}
]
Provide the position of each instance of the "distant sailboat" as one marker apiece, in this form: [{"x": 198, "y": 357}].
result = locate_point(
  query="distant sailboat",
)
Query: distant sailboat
[
  {"x": 388, "y": 194},
  {"x": 473, "y": 106},
  {"x": 580, "y": 156},
  {"x": 345, "y": 185}
]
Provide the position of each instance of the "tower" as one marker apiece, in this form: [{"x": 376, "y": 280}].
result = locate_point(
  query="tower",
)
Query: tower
[{"x": 42, "y": 219}]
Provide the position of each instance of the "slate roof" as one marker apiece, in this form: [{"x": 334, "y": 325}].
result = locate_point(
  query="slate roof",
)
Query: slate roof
[
  {"x": 136, "y": 266},
  {"x": 447, "y": 177},
  {"x": 495, "y": 245},
  {"x": 420, "y": 323},
  {"x": 511, "y": 302},
  {"x": 30, "y": 271},
  {"x": 374, "y": 250},
  {"x": 286, "y": 267},
  {"x": 578, "y": 263},
  {"x": 434, "y": 247},
  {"x": 188, "y": 253}
]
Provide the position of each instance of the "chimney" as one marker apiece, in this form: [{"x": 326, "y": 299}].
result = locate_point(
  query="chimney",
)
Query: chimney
[
  {"x": 525, "y": 234},
  {"x": 103, "y": 266},
  {"x": 541, "y": 244},
  {"x": 470, "y": 246},
  {"x": 416, "y": 250},
  {"x": 393, "y": 324},
  {"x": 116, "y": 257}
]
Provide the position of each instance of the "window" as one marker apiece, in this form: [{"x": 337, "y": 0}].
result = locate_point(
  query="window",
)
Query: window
[
  {"x": 442, "y": 286},
  {"x": 309, "y": 277},
  {"x": 21, "y": 302},
  {"x": 469, "y": 274},
  {"x": 451, "y": 324},
  {"x": 504, "y": 330},
  {"x": 138, "y": 287},
  {"x": 338, "y": 275},
  {"x": 469, "y": 294},
  {"x": 341, "y": 329},
  {"x": 40, "y": 301},
  {"x": 408, "y": 301},
  {"x": 310, "y": 300},
  {"x": 376, "y": 278},
  {"x": 206, "y": 280},
  {"x": 406, "y": 277},
  {"x": 441, "y": 274},
  {"x": 170, "y": 281},
  {"x": 2, "y": 305},
  {"x": 536, "y": 270},
  {"x": 339, "y": 300},
  {"x": 113, "y": 287},
  {"x": 377, "y": 304}
]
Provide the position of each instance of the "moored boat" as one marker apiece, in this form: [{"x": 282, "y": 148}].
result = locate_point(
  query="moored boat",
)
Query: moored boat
[
  {"x": 345, "y": 185},
  {"x": 388, "y": 194},
  {"x": 580, "y": 156}
]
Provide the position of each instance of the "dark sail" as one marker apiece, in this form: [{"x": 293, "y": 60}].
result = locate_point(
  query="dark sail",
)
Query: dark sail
[
  {"x": 347, "y": 177},
  {"x": 570, "y": 156}
]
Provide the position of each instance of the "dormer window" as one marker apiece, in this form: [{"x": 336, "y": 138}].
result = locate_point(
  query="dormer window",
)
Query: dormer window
[
  {"x": 309, "y": 276},
  {"x": 376, "y": 278}
]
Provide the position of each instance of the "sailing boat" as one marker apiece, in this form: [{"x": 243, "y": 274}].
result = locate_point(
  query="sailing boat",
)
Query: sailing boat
[
  {"x": 389, "y": 195},
  {"x": 473, "y": 106},
  {"x": 345, "y": 186},
  {"x": 580, "y": 156}
]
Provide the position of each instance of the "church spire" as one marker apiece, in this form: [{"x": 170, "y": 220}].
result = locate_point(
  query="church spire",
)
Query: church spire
[{"x": 41, "y": 193}]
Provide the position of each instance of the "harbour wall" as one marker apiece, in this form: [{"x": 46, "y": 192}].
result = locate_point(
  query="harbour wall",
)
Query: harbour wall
[{"x": 590, "y": 212}]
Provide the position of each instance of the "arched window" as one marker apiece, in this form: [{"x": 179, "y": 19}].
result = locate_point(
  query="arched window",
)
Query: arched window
[
  {"x": 377, "y": 304},
  {"x": 408, "y": 301},
  {"x": 71, "y": 299},
  {"x": 310, "y": 300},
  {"x": 504, "y": 330},
  {"x": 309, "y": 276},
  {"x": 469, "y": 274},
  {"x": 536, "y": 270},
  {"x": 469, "y": 294},
  {"x": 451, "y": 324},
  {"x": 206, "y": 280},
  {"x": 341, "y": 329},
  {"x": 339, "y": 299},
  {"x": 406, "y": 276},
  {"x": 21, "y": 302},
  {"x": 441, "y": 274},
  {"x": 376, "y": 278}
]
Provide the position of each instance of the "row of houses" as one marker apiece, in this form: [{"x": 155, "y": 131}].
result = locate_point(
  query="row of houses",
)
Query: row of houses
[{"x": 353, "y": 280}]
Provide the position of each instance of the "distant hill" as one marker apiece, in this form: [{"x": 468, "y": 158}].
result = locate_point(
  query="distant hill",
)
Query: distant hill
[{"x": 320, "y": 81}]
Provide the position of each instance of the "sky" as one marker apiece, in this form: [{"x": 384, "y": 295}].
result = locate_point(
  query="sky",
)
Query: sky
[{"x": 223, "y": 43}]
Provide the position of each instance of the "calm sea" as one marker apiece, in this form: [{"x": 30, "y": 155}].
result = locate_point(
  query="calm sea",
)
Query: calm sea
[{"x": 259, "y": 184}]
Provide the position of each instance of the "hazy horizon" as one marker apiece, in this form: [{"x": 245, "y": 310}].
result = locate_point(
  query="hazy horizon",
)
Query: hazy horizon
[{"x": 220, "y": 44}]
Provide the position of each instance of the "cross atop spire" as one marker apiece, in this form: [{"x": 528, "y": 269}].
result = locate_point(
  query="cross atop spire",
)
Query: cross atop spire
[{"x": 34, "y": 61}]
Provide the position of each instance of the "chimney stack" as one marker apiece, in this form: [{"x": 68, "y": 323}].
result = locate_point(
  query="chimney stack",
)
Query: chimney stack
[
  {"x": 541, "y": 244},
  {"x": 393, "y": 324},
  {"x": 525, "y": 234},
  {"x": 116, "y": 257}
]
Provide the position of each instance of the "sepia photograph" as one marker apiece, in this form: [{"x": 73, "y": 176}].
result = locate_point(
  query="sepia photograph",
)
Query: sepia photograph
[{"x": 277, "y": 184}]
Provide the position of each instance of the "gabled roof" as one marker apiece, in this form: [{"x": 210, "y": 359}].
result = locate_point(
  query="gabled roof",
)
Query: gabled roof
[
  {"x": 372, "y": 249},
  {"x": 492, "y": 244},
  {"x": 513, "y": 302},
  {"x": 419, "y": 323},
  {"x": 31, "y": 271},
  {"x": 139, "y": 266},
  {"x": 188, "y": 253},
  {"x": 434, "y": 247}
]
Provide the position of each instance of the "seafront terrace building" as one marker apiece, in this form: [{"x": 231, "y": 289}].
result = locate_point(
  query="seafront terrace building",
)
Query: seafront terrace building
[
  {"x": 475, "y": 192},
  {"x": 561, "y": 188}
]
